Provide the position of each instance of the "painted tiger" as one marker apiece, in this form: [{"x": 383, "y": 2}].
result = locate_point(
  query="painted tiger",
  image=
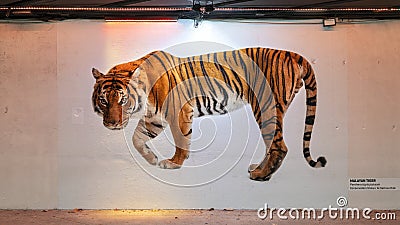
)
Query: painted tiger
[{"x": 174, "y": 90}]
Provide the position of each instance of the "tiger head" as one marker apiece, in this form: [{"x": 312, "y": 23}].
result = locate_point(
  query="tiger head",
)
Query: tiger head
[{"x": 117, "y": 95}]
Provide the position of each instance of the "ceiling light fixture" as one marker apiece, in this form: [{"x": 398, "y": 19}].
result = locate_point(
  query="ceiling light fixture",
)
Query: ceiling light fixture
[{"x": 144, "y": 19}]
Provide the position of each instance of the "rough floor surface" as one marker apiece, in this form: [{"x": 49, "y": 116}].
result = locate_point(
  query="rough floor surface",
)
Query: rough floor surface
[{"x": 211, "y": 217}]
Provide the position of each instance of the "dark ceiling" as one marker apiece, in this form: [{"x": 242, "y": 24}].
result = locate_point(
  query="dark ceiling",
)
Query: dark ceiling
[{"x": 188, "y": 9}]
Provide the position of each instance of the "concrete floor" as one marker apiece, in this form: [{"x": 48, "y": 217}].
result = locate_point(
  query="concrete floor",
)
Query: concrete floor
[{"x": 111, "y": 217}]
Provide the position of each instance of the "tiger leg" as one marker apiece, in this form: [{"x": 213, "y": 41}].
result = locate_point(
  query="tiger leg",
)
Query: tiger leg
[
  {"x": 147, "y": 129},
  {"x": 271, "y": 162},
  {"x": 181, "y": 129},
  {"x": 275, "y": 151}
]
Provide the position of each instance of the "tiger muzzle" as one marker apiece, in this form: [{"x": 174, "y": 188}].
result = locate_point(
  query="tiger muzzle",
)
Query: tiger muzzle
[
  {"x": 114, "y": 122},
  {"x": 113, "y": 126}
]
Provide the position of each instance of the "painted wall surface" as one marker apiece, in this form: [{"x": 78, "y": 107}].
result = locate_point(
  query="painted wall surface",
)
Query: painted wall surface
[
  {"x": 55, "y": 152},
  {"x": 29, "y": 125}
]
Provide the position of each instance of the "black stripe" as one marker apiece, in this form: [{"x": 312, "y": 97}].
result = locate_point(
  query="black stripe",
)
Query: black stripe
[
  {"x": 261, "y": 90},
  {"x": 307, "y": 136},
  {"x": 280, "y": 107},
  {"x": 243, "y": 65},
  {"x": 237, "y": 78},
  {"x": 188, "y": 133},
  {"x": 113, "y": 86},
  {"x": 215, "y": 102},
  {"x": 279, "y": 150},
  {"x": 208, "y": 81},
  {"x": 310, "y": 87},
  {"x": 291, "y": 71},
  {"x": 170, "y": 59},
  {"x": 250, "y": 82},
  {"x": 300, "y": 61},
  {"x": 312, "y": 101},
  {"x": 257, "y": 112},
  {"x": 278, "y": 126},
  {"x": 278, "y": 140},
  {"x": 237, "y": 91},
  {"x": 149, "y": 133},
  {"x": 211, "y": 89},
  {"x": 257, "y": 54},
  {"x": 232, "y": 56},
  {"x": 267, "y": 122},
  {"x": 206, "y": 103},
  {"x": 224, "y": 101},
  {"x": 202, "y": 92},
  {"x": 310, "y": 120},
  {"x": 182, "y": 71},
  {"x": 191, "y": 68},
  {"x": 159, "y": 60},
  {"x": 268, "y": 136},
  {"x": 267, "y": 103},
  {"x": 251, "y": 54},
  {"x": 306, "y": 152},
  {"x": 166, "y": 107},
  {"x": 188, "y": 73},
  {"x": 225, "y": 59},
  {"x": 226, "y": 77},
  {"x": 283, "y": 79},
  {"x": 157, "y": 125},
  {"x": 129, "y": 88},
  {"x": 312, "y": 163},
  {"x": 172, "y": 85},
  {"x": 272, "y": 70},
  {"x": 308, "y": 73},
  {"x": 264, "y": 61},
  {"x": 155, "y": 97},
  {"x": 199, "y": 107},
  {"x": 322, "y": 160}
]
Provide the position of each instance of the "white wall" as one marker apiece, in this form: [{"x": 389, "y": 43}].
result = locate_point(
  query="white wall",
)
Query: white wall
[
  {"x": 29, "y": 126},
  {"x": 55, "y": 152}
]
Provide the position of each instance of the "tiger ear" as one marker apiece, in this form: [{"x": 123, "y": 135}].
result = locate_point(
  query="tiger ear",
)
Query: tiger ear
[{"x": 96, "y": 74}]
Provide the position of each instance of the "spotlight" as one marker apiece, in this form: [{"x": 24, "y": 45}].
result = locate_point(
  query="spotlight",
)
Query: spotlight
[
  {"x": 329, "y": 22},
  {"x": 207, "y": 8},
  {"x": 196, "y": 7}
]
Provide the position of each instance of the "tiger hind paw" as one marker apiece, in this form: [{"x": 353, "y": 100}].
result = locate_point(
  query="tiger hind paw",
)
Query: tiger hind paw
[
  {"x": 252, "y": 167},
  {"x": 256, "y": 173},
  {"x": 168, "y": 164}
]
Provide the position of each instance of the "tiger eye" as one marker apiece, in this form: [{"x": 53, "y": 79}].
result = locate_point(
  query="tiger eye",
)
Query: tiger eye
[
  {"x": 124, "y": 100},
  {"x": 103, "y": 101}
]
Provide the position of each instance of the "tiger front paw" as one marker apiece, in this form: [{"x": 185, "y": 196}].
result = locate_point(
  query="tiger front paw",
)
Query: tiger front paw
[{"x": 168, "y": 164}]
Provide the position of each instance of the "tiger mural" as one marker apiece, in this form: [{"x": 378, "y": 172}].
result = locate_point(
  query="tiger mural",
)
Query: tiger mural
[{"x": 170, "y": 91}]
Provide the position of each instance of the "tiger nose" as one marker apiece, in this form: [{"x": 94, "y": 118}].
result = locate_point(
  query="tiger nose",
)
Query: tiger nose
[{"x": 113, "y": 124}]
